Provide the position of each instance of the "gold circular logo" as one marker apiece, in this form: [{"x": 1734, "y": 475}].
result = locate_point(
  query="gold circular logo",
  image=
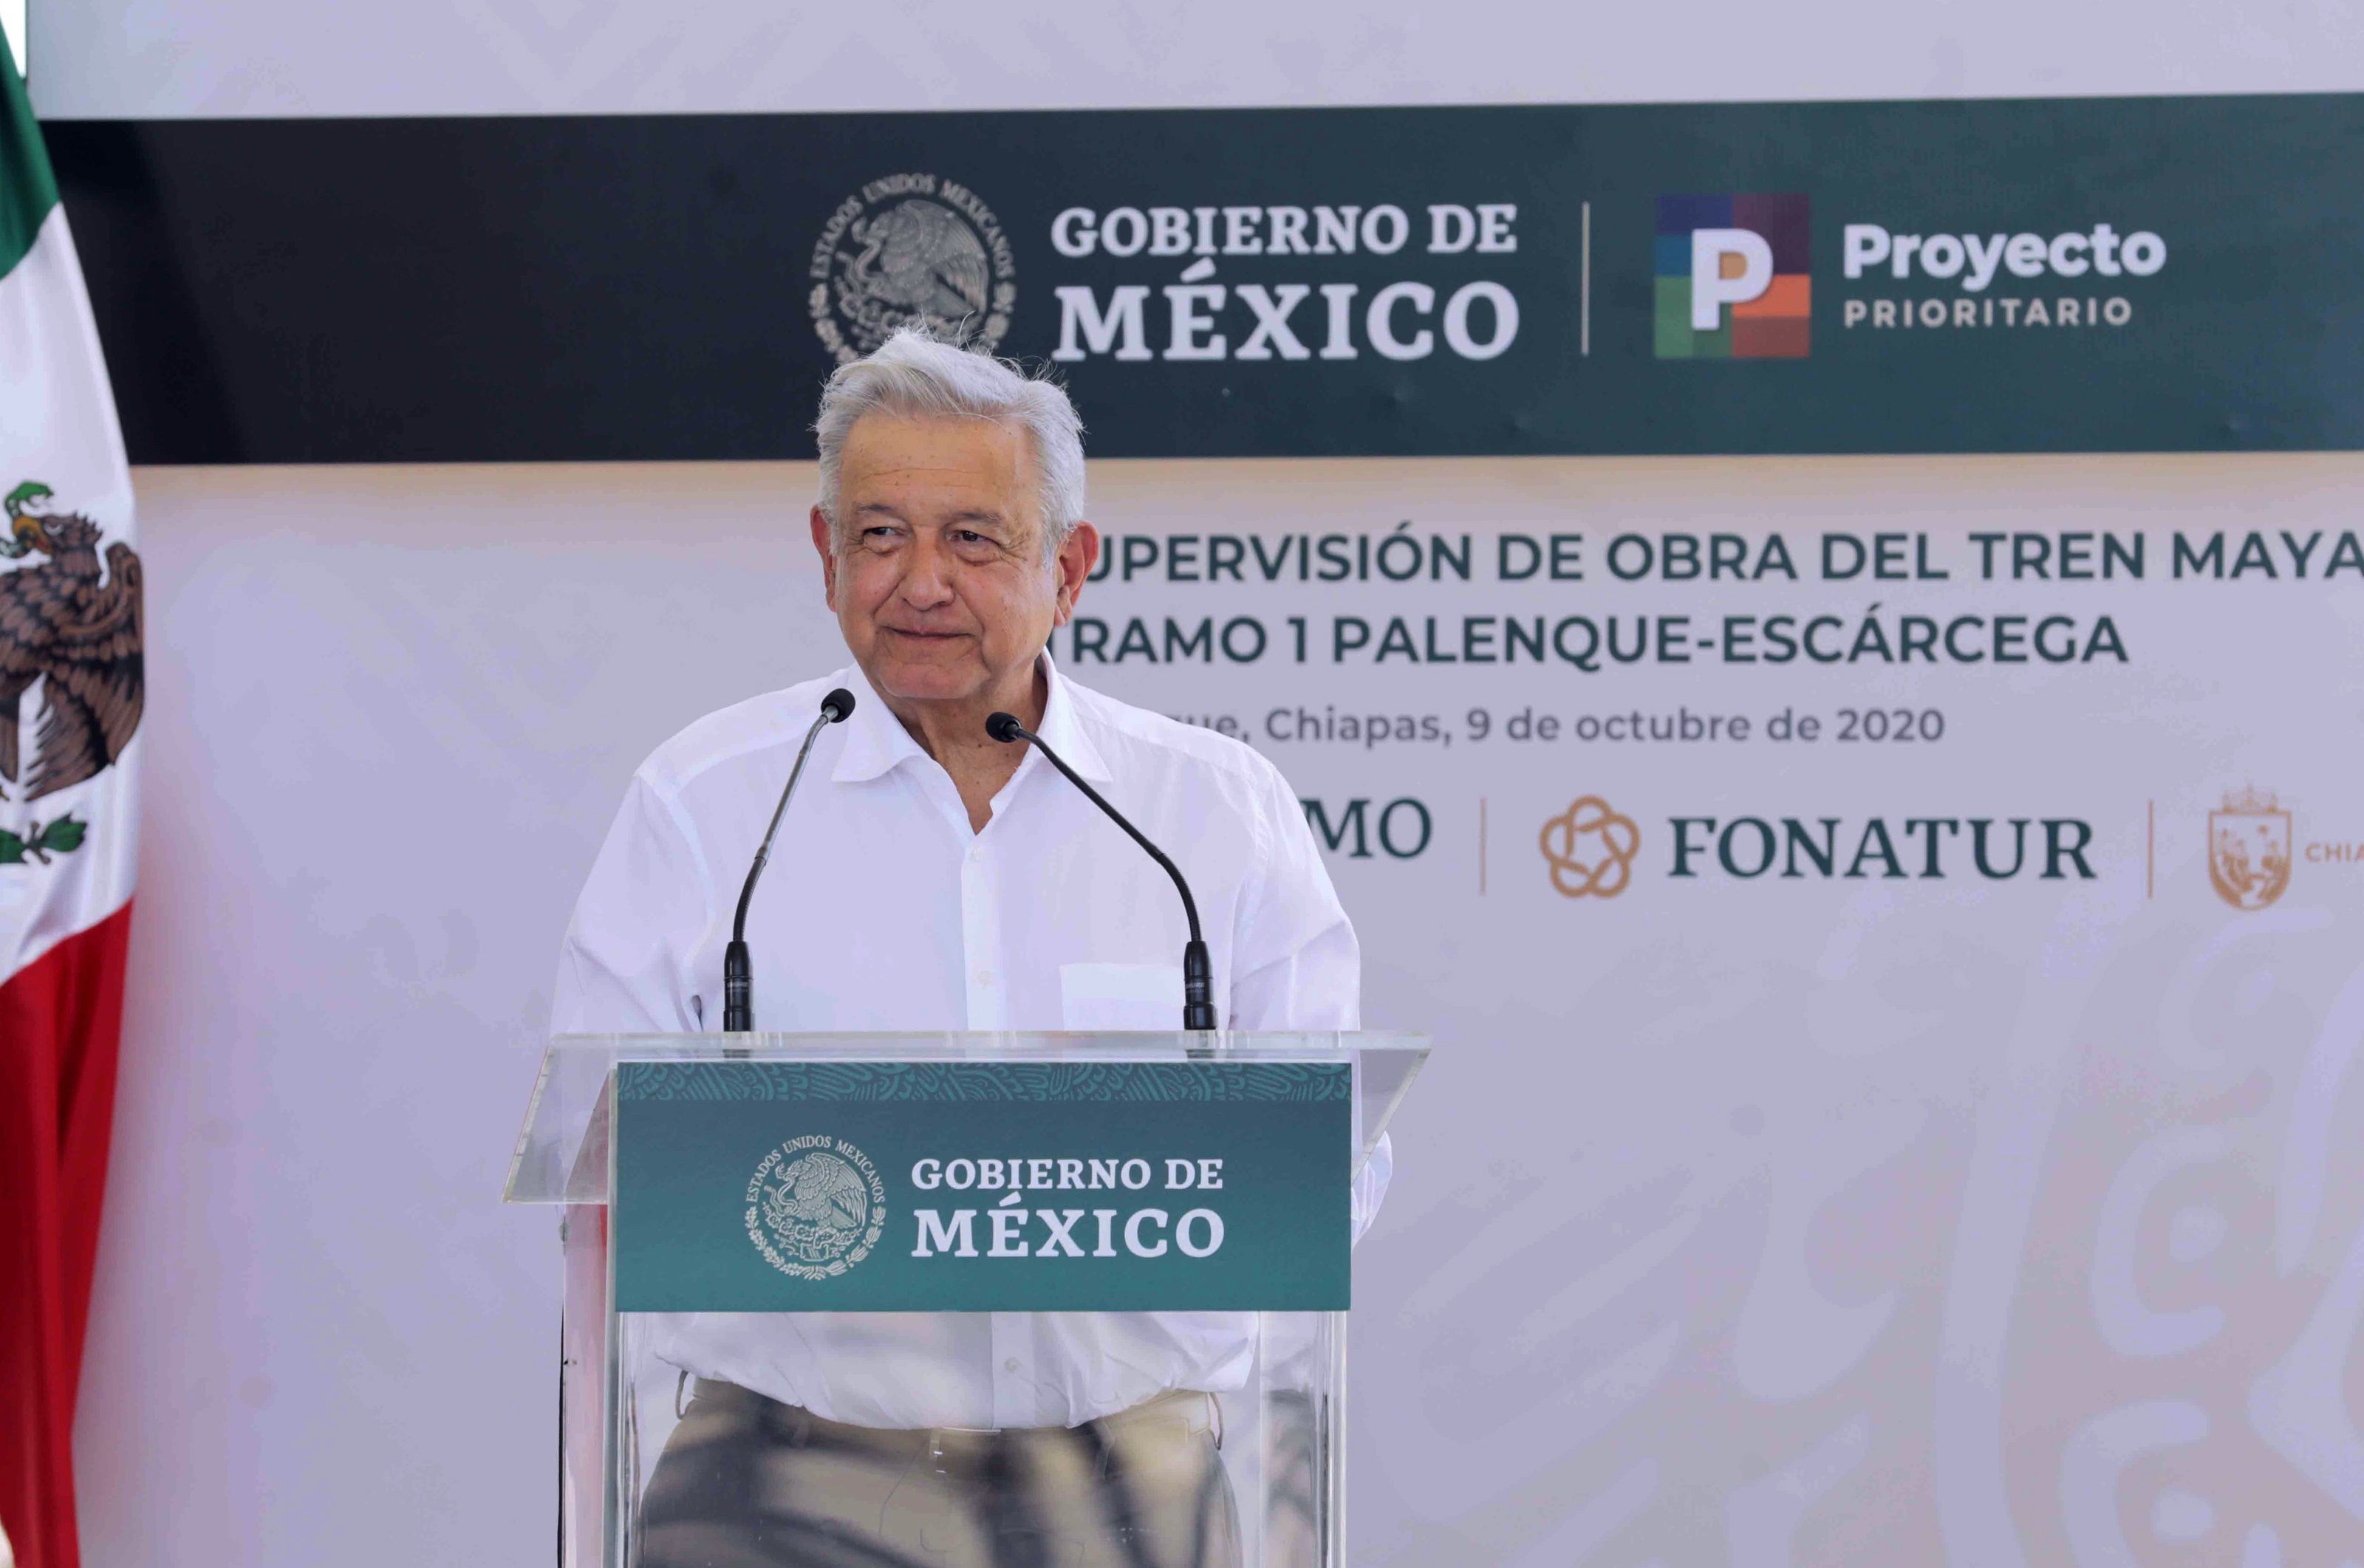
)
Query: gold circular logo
[{"x": 1591, "y": 847}]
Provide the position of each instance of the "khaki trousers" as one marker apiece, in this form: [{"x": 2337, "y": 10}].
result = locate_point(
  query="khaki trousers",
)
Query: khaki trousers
[{"x": 746, "y": 1481}]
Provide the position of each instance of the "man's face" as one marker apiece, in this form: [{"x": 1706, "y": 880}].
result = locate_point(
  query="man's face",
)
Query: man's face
[{"x": 937, "y": 575}]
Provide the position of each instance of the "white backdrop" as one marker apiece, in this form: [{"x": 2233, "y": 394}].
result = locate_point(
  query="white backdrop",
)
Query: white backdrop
[
  {"x": 477, "y": 56},
  {"x": 1834, "y": 1217}
]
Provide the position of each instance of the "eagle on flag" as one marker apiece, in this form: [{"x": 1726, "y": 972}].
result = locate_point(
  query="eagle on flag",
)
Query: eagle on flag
[{"x": 73, "y": 624}]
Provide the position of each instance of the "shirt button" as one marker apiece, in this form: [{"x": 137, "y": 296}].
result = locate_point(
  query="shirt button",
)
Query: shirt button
[
  {"x": 984, "y": 977},
  {"x": 1010, "y": 1365},
  {"x": 977, "y": 853}
]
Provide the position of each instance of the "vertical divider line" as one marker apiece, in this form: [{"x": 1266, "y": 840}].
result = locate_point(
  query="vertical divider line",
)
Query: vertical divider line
[{"x": 1584, "y": 285}]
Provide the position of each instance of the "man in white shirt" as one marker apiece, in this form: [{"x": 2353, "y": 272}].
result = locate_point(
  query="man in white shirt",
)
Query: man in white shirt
[{"x": 928, "y": 877}]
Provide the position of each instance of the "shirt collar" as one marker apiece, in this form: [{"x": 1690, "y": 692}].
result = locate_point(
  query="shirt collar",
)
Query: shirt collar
[
  {"x": 878, "y": 743},
  {"x": 1063, "y": 727}
]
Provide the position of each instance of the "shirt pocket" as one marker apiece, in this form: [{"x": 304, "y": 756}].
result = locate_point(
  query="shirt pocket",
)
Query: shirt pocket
[{"x": 1121, "y": 997}]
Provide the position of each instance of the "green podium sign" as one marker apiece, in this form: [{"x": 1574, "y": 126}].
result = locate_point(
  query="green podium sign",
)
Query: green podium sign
[{"x": 877, "y": 1187}]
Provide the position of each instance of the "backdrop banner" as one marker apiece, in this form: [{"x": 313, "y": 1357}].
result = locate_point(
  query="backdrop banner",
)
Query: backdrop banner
[
  {"x": 1923, "y": 1127},
  {"x": 2022, "y": 275},
  {"x": 1899, "y": 1015}
]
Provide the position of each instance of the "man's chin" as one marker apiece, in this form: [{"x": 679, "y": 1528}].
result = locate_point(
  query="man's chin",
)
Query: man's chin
[{"x": 926, "y": 680}]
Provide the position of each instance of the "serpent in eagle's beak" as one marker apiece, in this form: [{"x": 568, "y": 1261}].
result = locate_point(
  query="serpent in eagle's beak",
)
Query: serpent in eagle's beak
[{"x": 26, "y": 534}]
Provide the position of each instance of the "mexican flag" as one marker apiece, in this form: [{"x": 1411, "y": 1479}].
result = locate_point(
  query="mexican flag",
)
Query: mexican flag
[{"x": 71, "y": 691}]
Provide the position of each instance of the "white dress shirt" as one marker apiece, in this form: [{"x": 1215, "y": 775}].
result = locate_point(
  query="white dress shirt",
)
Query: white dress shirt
[{"x": 881, "y": 909}]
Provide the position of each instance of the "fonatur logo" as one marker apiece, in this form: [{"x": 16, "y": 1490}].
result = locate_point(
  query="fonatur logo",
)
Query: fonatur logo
[
  {"x": 1590, "y": 849},
  {"x": 815, "y": 1207},
  {"x": 910, "y": 249}
]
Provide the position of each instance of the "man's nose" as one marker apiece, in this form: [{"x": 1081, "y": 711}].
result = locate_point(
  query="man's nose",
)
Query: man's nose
[{"x": 928, "y": 584}]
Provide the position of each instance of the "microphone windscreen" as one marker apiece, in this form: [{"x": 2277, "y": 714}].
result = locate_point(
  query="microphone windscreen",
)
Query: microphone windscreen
[
  {"x": 838, "y": 704},
  {"x": 1002, "y": 726}
]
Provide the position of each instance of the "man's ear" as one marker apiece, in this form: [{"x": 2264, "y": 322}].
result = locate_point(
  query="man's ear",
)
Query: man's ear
[
  {"x": 1078, "y": 553},
  {"x": 825, "y": 543}
]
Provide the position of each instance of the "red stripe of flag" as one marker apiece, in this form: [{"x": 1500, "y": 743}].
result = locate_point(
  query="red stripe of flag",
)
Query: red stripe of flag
[{"x": 61, "y": 1017}]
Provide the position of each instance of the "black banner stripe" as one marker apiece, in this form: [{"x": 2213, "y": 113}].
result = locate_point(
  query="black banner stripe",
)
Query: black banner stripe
[{"x": 642, "y": 287}]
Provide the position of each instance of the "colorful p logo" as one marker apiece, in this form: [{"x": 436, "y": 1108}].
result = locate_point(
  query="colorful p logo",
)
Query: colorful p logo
[
  {"x": 1729, "y": 266},
  {"x": 1732, "y": 277}
]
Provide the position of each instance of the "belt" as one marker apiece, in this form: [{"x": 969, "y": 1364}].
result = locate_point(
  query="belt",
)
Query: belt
[{"x": 1187, "y": 1411}]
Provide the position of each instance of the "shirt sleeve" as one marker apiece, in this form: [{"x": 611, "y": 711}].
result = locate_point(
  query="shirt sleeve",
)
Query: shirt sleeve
[
  {"x": 1296, "y": 962},
  {"x": 626, "y": 966}
]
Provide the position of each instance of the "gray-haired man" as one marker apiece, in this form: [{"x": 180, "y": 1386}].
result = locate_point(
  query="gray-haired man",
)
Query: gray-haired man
[{"x": 947, "y": 882}]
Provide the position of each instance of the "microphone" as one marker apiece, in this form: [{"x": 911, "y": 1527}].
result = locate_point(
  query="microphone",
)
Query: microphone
[
  {"x": 1197, "y": 1008},
  {"x": 738, "y": 981}
]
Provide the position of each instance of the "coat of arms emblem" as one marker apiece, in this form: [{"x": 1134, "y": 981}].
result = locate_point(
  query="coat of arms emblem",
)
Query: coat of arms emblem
[
  {"x": 69, "y": 624},
  {"x": 816, "y": 1207},
  {"x": 2249, "y": 849},
  {"x": 910, "y": 249}
]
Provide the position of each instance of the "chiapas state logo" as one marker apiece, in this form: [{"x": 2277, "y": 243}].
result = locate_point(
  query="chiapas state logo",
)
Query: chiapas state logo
[
  {"x": 2249, "y": 849},
  {"x": 71, "y": 622}
]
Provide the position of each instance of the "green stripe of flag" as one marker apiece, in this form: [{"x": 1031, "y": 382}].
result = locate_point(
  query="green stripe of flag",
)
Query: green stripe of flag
[{"x": 27, "y": 190}]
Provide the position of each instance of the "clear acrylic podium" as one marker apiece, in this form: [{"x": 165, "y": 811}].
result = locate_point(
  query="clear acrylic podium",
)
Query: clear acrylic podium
[{"x": 673, "y": 1105}]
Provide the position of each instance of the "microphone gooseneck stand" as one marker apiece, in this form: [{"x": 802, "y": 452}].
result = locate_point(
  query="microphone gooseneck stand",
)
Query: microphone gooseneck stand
[
  {"x": 738, "y": 978},
  {"x": 1198, "y": 1004}
]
